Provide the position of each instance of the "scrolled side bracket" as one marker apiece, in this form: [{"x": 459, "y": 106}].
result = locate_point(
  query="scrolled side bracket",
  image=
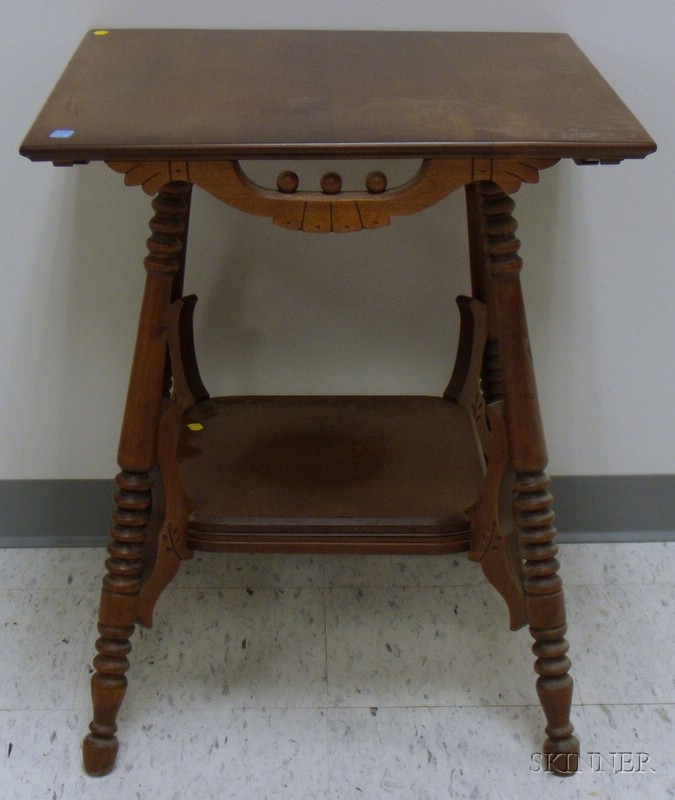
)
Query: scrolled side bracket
[{"x": 332, "y": 209}]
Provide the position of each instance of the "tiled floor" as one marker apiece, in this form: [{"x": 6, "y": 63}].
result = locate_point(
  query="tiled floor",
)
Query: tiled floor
[{"x": 338, "y": 678}]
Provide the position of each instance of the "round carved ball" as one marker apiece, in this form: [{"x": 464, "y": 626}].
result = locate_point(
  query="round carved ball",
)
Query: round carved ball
[
  {"x": 376, "y": 182},
  {"x": 331, "y": 183},
  {"x": 288, "y": 182}
]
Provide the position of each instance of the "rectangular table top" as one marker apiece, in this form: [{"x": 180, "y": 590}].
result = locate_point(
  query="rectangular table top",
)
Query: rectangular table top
[{"x": 229, "y": 94}]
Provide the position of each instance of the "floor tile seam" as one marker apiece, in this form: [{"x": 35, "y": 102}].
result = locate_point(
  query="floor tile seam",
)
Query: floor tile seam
[
  {"x": 78, "y": 709},
  {"x": 241, "y": 586},
  {"x": 607, "y": 584},
  {"x": 368, "y": 586},
  {"x": 40, "y": 589},
  {"x": 577, "y": 682},
  {"x": 93, "y": 585},
  {"x": 440, "y": 706},
  {"x": 326, "y": 657},
  {"x": 384, "y": 586},
  {"x": 588, "y": 728},
  {"x": 87, "y": 655},
  {"x": 44, "y": 709},
  {"x": 126, "y": 713},
  {"x": 654, "y": 703},
  {"x": 326, "y": 707},
  {"x": 627, "y": 703}
]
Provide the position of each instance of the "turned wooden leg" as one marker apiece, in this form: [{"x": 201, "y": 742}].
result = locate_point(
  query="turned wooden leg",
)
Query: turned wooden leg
[
  {"x": 137, "y": 457},
  {"x": 179, "y": 276},
  {"x": 546, "y": 612},
  {"x": 494, "y": 539},
  {"x": 117, "y": 615},
  {"x": 532, "y": 502},
  {"x": 482, "y": 288}
]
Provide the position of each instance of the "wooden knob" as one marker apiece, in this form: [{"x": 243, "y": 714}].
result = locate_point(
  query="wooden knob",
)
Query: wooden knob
[
  {"x": 331, "y": 183},
  {"x": 376, "y": 182},
  {"x": 288, "y": 182}
]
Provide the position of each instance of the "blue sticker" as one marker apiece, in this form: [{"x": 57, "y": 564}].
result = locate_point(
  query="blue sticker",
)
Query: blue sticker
[{"x": 60, "y": 133}]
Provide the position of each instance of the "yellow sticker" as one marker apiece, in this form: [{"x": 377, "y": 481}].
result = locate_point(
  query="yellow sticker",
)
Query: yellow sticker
[
  {"x": 195, "y": 426},
  {"x": 101, "y": 33}
]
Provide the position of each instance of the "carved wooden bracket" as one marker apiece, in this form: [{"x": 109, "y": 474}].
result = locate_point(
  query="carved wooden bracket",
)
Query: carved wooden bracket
[
  {"x": 494, "y": 539},
  {"x": 464, "y": 387},
  {"x": 332, "y": 209}
]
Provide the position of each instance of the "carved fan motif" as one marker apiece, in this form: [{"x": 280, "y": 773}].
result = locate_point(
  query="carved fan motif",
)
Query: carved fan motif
[{"x": 331, "y": 209}]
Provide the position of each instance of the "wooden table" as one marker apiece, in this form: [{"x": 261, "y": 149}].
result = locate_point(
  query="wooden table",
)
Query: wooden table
[{"x": 484, "y": 112}]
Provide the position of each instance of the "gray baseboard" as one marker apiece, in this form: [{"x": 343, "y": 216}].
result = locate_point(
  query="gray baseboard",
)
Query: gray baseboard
[
  {"x": 615, "y": 508},
  {"x": 55, "y": 513},
  {"x": 597, "y": 508}
]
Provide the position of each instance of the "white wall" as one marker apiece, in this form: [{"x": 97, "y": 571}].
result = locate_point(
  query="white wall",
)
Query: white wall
[{"x": 363, "y": 313}]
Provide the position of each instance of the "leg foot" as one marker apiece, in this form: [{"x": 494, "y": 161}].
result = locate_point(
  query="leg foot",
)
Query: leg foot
[
  {"x": 561, "y": 747},
  {"x": 99, "y": 754},
  {"x": 563, "y": 762}
]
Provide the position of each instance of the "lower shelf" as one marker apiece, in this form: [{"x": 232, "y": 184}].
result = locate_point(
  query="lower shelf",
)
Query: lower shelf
[{"x": 395, "y": 474}]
